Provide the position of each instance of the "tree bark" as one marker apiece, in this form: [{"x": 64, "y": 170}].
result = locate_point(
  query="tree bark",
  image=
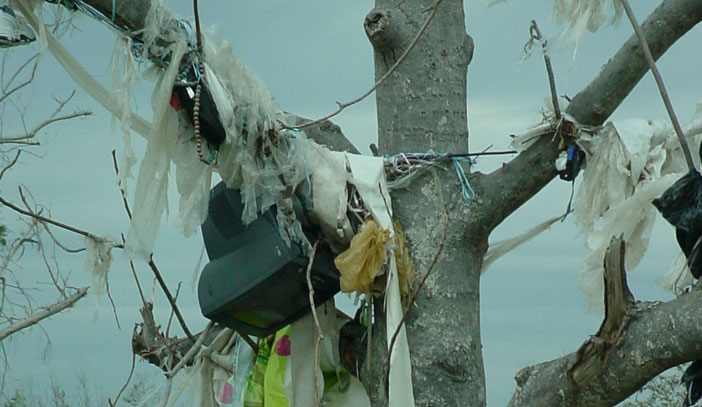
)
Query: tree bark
[{"x": 422, "y": 107}]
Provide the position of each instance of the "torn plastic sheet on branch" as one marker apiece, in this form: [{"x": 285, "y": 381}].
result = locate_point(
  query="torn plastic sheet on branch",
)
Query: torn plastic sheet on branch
[{"x": 635, "y": 160}]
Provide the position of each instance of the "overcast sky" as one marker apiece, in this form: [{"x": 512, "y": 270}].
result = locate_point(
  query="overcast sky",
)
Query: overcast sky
[{"x": 312, "y": 53}]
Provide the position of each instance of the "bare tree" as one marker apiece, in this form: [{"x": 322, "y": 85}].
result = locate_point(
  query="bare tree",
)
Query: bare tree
[
  {"x": 20, "y": 306},
  {"x": 634, "y": 343}
]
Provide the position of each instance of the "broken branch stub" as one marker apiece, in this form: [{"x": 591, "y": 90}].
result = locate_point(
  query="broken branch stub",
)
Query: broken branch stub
[{"x": 591, "y": 358}]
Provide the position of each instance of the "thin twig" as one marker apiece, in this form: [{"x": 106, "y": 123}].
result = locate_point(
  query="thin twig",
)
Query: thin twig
[
  {"x": 39, "y": 316},
  {"x": 415, "y": 294},
  {"x": 198, "y": 36},
  {"x": 46, "y": 227},
  {"x": 387, "y": 74},
  {"x": 129, "y": 378},
  {"x": 320, "y": 336},
  {"x": 171, "y": 300},
  {"x": 153, "y": 266},
  {"x": 51, "y": 221},
  {"x": 661, "y": 86},
  {"x": 136, "y": 279},
  {"x": 54, "y": 117},
  {"x": 7, "y": 93},
  {"x": 170, "y": 317},
  {"x": 112, "y": 302},
  {"x": 11, "y": 164},
  {"x": 121, "y": 188},
  {"x": 536, "y": 34}
]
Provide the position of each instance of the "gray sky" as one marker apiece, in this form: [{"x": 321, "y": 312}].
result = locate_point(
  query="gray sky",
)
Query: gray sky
[{"x": 312, "y": 53}]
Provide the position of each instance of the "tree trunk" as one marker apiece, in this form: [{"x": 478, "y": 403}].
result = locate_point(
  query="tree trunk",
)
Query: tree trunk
[{"x": 422, "y": 107}]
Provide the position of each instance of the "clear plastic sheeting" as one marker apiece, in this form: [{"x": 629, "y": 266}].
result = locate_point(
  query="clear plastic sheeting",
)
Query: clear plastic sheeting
[
  {"x": 151, "y": 193},
  {"x": 620, "y": 157},
  {"x": 633, "y": 218},
  {"x": 124, "y": 75}
]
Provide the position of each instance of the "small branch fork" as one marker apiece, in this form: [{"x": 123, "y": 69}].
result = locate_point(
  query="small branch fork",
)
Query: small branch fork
[
  {"x": 39, "y": 316},
  {"x": 26, "y": 138},
  {"x": 343, "y": 105},
  {"x": 661, "y": 86}
]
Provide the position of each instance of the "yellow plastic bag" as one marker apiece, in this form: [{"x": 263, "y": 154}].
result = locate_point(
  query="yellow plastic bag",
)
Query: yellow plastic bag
[{"x": 364, "y": 258}]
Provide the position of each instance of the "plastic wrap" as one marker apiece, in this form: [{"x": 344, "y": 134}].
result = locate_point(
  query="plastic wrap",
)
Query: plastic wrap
[
  {"x": 578, "y": 16},
  {"x": 502, "y": 247},
  {"x": 98, "y": 259},
  {"x": 364, "y": 259},
  {"x": 633, "y": 218},
  {"x": 124, "y": 76},
  {"x": 151, "y": 193}
]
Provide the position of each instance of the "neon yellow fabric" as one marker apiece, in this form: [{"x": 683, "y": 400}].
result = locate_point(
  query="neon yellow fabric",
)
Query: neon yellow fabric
[{"x": 274, "y": 380}]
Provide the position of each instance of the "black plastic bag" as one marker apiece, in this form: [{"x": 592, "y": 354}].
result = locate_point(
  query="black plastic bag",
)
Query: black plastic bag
[
  {"x": 681, "y": 206},
  {"x": 692, "y": 378}
]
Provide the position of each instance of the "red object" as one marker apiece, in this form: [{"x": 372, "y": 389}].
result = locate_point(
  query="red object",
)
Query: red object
[
  {"x": 175, "y": 102},
  {"x": 282, "y": 347}
]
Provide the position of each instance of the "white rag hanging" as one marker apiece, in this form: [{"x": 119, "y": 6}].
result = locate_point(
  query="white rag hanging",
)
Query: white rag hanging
[{"x": 368, "y": 175}]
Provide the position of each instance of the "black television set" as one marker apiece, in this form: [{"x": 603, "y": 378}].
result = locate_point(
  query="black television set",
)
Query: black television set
[{"x": 254, "y": 282}]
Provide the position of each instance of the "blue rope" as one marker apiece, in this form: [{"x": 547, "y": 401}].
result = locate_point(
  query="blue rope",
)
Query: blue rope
[
  {"x": 466, "y": 190},
  {"x": 114, "y": 5}
]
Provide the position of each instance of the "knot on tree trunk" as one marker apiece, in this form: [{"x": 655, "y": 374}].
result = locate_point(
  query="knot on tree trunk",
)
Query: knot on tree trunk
[{"x": 385, "y": 29}]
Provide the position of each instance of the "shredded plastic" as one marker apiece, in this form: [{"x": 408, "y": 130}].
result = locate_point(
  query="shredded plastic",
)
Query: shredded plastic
[
  {"x": 123, "y": 77},
  {"x": 578, "y": 16},
  {"x": 364, "y": 259},
  {"x": 98, "y": 259},
  {"x": 625, "y": 171},
  {"x": 502, "y": 247}
]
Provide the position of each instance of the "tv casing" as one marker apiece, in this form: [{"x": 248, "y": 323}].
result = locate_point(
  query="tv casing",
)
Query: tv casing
[{"x": 255, "y": 283}]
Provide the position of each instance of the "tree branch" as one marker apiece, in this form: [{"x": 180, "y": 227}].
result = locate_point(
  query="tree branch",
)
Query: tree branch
[
  {"x": 506, "y": 189},
  {"x": 636, "y": 342},
  {"x": 41, "y": 315}
]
